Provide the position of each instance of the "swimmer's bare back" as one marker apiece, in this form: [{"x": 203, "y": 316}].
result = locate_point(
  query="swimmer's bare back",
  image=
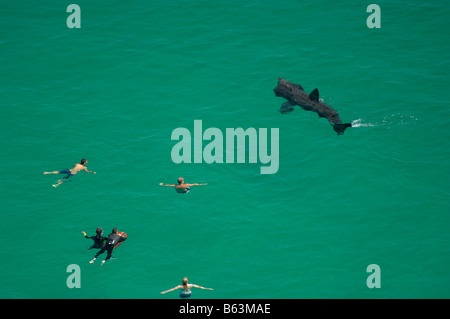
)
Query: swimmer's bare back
[
  {"x": 182, "y": 188},
  {"x": 70, "y": 172},
  {"x": 78, "y": 167}
]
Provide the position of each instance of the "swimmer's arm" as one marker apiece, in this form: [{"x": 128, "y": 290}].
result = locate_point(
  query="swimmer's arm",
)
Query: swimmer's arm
[
  {"x": 175, "y": 288},
  {"x": 85, "y": 168},
  {"x": 87, "y": 237},
  {"x": 197, "y": 286},
  {"x": 196, "y": 184},
  {"x": 167, "y": 185}
]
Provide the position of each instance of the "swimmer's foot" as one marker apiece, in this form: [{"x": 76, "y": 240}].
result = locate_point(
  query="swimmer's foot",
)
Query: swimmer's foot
[
  {"x": 103, "y": 261},
  {"x": 92, "y": 261},
  {"x": 57, "y": 184}
]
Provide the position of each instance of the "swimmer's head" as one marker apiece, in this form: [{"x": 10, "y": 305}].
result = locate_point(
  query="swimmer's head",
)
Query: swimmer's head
[
  {"x": 180, "y": 180},
  {"x": 185, "y": 281},
  {"x": 99, "y": 231},
  {"x": 114, "y": 230},
  {"x": 83, "y": 161}
]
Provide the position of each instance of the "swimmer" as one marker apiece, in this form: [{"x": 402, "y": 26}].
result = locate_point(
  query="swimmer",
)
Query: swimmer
[
  {"x": 98, "y": 239},
  {"x": 182, "y": 187},
  {"x": 76, "y": 168},
  {"x": 185, "y": 288},
  {"x": 113, "y": 239}
]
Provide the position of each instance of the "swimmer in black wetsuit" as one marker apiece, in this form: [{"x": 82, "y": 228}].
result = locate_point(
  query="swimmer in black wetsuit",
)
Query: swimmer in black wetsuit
[
  {"x": 112, "y": 240},
  {"x": 98, "y": 239}
]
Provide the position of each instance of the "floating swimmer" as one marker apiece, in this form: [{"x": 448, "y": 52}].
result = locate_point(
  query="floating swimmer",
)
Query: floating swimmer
[
  {"x": 98, "y": 239},
  {"x": 70, "y": 172},
  {"x": 185, "y": 288},
  {"x": 182, "y": 187},
  {"x": 114, "y": 239}
]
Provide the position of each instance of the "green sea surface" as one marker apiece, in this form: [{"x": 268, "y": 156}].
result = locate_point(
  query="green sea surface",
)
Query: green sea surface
[{"x": 114, "y": 90}]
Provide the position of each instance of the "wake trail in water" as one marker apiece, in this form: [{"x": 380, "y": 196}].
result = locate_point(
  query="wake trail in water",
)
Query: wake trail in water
[{"x": 389, "y": 121}]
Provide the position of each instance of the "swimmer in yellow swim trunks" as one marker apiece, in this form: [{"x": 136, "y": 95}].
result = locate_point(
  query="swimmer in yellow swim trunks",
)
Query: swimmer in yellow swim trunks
[
  {"x": 185, "y": 288},
  {"x": 181, "y": 187},
  {"x": 70, "y": 172}
]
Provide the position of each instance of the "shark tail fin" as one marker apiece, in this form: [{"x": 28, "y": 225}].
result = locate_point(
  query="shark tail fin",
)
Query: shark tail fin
[{"x": 340, "y": 128}]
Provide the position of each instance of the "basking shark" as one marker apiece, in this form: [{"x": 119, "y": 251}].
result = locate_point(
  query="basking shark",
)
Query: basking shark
[{"x": 295, "y": 95}]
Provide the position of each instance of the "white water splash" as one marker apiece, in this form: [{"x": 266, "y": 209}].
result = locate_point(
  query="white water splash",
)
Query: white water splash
[{"x": 359, "y": 123}]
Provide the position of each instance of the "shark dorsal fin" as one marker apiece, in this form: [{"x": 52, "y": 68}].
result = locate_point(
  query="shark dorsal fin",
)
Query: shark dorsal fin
[{"x": 314, "y": 95}]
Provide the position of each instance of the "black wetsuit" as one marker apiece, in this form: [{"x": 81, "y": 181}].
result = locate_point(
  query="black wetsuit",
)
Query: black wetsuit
[
  {"x": 112, "y": 240},
  {"x": 98, "y": 241}
]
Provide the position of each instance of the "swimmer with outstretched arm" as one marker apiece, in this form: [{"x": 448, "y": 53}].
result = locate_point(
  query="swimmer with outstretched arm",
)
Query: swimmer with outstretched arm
[
  {"x": 182, "y": 187},
  {"x": 98, "y": 239},
  {"x": 185, "y": 288},
  {"x": 70, "y": 172}
]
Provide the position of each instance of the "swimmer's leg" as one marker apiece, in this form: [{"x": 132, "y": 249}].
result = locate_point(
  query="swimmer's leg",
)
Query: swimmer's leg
[
  {"x": 61, "y": 181},
  {"x": 108, "y": 256},
  {"x": 109, "y": 253},
  {"x": 53, "y": 173},
  {"x": 97, "y": 254}
]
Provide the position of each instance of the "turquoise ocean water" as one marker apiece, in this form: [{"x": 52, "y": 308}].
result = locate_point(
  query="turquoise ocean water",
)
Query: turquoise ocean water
[{"x": 113, "y": 92}]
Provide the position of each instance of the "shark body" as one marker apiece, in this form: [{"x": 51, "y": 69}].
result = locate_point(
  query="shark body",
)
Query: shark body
[{"x": 295, "y": 95}]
